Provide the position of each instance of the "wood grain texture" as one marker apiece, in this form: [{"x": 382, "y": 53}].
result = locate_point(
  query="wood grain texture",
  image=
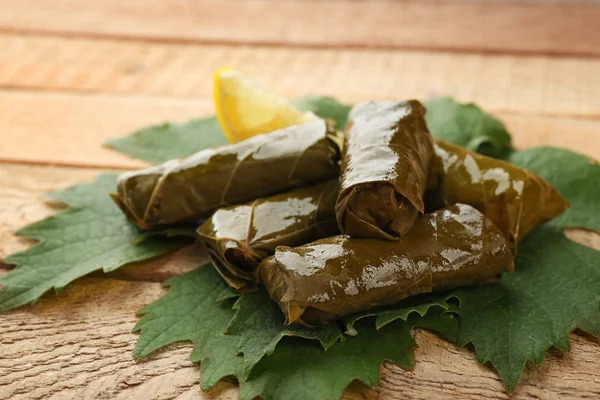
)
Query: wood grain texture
[
  {"x": 493, "y": 26},
  {"x": 22, "y": 199},
  {"x": 69, "y": 129},
  {"x": 79, "y": 344},
  {"x": 502, "y": 83}
]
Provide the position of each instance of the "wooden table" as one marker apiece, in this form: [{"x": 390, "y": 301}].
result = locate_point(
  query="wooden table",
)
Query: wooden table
[{"x": 73, "y": 74}]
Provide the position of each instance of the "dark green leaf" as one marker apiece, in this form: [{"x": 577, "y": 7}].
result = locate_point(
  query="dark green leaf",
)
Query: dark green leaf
[
  {"x": 160, "y": 143},
  {"x": 440, "y": 321},
  {"x": 468, "y": 126},
  {"x": 418, "y": 304},
  {"x": 325, "y": 107},
  {"x": 260, "y": 323},
  {"x": 90, "y": 235},
  {"x": 556, "y": 284},
  {"x": 197, "y": 307},
  {"x": 555, "y": 288},
  {"x": 574, "y": 176},
  {"x": 188, "y": 311},
  {"x": 219, "y": 359},
  {"x": 300, "y": 369}
]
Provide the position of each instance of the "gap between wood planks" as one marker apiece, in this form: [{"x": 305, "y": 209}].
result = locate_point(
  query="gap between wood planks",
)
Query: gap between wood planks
[{"x": 453, "y": 25}]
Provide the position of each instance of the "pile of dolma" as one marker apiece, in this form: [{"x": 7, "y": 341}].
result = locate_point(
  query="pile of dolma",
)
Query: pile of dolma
[{"x": 334, "y": 223}]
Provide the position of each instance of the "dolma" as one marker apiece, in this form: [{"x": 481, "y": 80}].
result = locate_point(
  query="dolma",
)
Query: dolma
[
  {"x": 329, "y": 278},
  {"x": 239, "y": 237},
  {"x": 192, "y": 188},
  {"x": 515, "y": 199},
  {"x": 384, "y": 169}
]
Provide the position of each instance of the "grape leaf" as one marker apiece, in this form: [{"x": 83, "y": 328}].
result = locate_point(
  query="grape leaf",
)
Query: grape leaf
[
  {"x": 556, "y": 287},
  {"x": 191, "y": 311},
  {"x": 556, "y": 284},
  {"x": 438, "y": 320},
  {"x": 197, "y": 307},
  {"x": 325, "y": 107},
  {"x": 468, "y": 126},
  {"x": 90, "y": 235},
  {"x": 160, "y": 143},
  {"x": 218, "y": 360},
  {"x": 416, "y": 304},
  {"x": 188, "y": 311},
  {"x": 260, "y": 324},
  {"x": 300, "y": 369},
  {"x": 574, "y": 176}
]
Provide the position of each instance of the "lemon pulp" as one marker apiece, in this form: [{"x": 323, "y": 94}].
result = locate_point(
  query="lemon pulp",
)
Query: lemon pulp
[{"x": 245, "y": 109}]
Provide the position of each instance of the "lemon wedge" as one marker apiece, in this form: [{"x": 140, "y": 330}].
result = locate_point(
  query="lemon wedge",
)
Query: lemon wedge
[{"x": 245, "y": 109}]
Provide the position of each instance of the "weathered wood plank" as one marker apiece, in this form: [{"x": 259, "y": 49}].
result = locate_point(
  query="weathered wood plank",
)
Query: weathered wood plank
[
  {"x": 22, "y": 199},
  {"x": 69, "y": 129},
  {"x": 542, "y": 85},
  {"x": 79, "y": 344},
  {"x": 568, "y": 28}
]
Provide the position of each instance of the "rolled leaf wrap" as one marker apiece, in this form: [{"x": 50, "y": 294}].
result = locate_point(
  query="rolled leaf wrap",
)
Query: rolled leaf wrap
[
  {"x": 239, "y": 237},
  {"x": 384, "y": 169},
  {"x": 515, "y": 199},
  {"x": 329, "y": 278},
  {"x": 192, "y": 188}
]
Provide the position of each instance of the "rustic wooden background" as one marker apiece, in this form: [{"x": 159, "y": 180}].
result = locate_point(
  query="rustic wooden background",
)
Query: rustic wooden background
[{"x": 73, "y": 74}]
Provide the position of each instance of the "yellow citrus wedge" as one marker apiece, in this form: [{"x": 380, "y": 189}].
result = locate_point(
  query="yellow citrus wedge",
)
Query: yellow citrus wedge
[{"x": 244, "y": 109}]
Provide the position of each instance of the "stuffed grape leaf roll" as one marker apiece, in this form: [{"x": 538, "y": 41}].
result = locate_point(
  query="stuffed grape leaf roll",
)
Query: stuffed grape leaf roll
[
  {"x": 384, "y": 169},
  {"x": 515, "y": 199},
  {"x": 239, "y": 237},
  {"x": 192, "y": 188},
  {"x": 329, "y": 278}
]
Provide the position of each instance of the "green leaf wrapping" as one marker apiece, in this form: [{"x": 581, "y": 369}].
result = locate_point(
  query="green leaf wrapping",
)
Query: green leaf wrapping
[
  {"x": 192, "y": 188},
  {"x": 239, "y": 237},
  {"x": 260, "y": 324},
  {"x": 384, "y": 170},
  {"x": 515, "y": 199},
  {"x": 333, "y": 277}
]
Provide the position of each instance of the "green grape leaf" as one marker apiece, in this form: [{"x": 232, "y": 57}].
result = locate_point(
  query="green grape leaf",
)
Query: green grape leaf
[
  {"x": 556, "y": 284},
  {"x": 326, "y": 108},
  {"x": 575, "y": 176},
  {"x": 417, "y": 304},
  {"x": 301, "y": 369},
  {"x": 556, "y": 287},
  {"x": 163, "y": 142},
  {"x": 92, "y": 234},
  {"x": 197, "y": 308},
  {"x": 468, "y": 126},
  {"x": 188, "y": 311},
  {"x": 440, "y": 321},
  {"x": 260, "y": 324}
]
